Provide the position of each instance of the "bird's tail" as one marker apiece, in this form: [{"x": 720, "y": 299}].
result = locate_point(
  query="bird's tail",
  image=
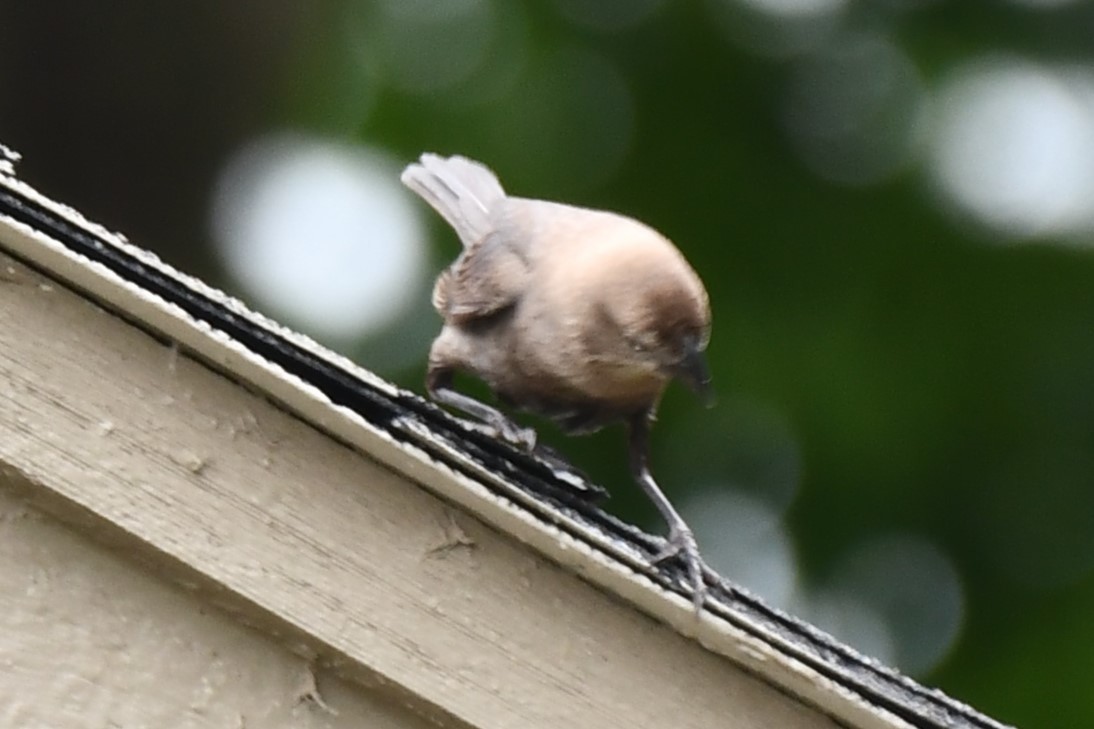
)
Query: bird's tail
[{"x": 461, "y": 190}]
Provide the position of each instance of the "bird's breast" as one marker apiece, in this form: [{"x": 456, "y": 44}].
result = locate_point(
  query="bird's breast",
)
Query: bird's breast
[{"x": 565, "y": 375}]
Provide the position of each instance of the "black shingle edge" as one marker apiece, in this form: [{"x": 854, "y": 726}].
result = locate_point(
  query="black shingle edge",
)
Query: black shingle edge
[{"x": 876, "y": 684}]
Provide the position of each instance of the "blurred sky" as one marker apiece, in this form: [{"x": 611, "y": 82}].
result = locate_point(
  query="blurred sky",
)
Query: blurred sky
[{"x": 891, "y": 202}]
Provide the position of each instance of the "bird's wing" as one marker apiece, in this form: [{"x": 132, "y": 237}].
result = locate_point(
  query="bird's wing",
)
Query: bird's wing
[
  {"x": 484, "y": 280},
  {"x": 492, "y": 274}
]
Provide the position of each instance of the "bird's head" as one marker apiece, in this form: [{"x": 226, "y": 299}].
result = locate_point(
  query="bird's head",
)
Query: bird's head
[{"x": 662, "y": 313}]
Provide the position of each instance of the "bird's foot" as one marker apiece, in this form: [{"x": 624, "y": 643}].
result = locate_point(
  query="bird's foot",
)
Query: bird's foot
[
  {"x": 681, "y": 543},
  {"x": 510, "y": 432}
]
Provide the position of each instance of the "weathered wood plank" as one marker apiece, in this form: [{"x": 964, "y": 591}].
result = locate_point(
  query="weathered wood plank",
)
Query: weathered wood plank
[{"x": 306, "y": 536}]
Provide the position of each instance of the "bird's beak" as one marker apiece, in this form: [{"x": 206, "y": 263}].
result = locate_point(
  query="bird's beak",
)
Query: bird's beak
[{"x": 693, "y": 371}]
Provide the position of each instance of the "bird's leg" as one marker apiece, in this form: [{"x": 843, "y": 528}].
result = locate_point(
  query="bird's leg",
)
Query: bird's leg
[
  {"x": 438, "y": 383},
  {"x": 681, "y": 541}
]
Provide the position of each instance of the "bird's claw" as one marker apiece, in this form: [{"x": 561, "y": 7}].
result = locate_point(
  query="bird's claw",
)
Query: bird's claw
[
  {"x": 681, "y": 543},
  {"x": 510, "y": 432}
]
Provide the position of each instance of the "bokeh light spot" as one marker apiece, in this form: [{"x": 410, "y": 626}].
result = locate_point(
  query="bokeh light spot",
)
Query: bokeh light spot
[
  {"x": 1014, "y": 149},
  {"x": 796, "y": 8},
  {"x": 854, "y": 109},
  {"x": 744, "y": 538},
  {"x": 911, "y": 586},
  {"x": 851, "y": 619},
  {"x": 320, "y": 232}
]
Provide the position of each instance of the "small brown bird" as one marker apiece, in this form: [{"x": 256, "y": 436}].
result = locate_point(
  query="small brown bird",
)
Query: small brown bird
[{"x": 578, "y": 315}]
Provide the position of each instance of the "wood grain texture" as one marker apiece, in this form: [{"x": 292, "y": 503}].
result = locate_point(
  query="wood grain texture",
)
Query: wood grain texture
[
  {"x": 90, "y": 640},
  {"x": 349, "y": 560}
]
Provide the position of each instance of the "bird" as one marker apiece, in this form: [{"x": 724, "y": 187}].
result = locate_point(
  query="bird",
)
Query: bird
[{"x": 580, "y": 316}]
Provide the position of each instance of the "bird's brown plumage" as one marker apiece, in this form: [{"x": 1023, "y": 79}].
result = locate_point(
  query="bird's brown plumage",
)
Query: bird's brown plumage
[
  {"x": 580, "y": 315},
  {"x": 577, "y": 314}
]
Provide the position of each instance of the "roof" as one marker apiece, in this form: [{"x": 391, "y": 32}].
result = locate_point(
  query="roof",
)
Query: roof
[{"x": 303, "y": 512}]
